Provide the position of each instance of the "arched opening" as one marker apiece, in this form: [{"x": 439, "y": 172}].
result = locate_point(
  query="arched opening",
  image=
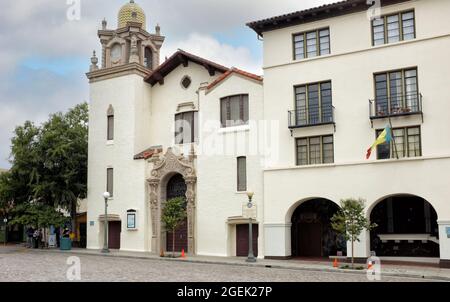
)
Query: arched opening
[
  {"x": 148, "y": 58},
  {"x": 176, "y": 187},
  {"x": 311, "y": 231},
  {"x": 407, "y": 227}
]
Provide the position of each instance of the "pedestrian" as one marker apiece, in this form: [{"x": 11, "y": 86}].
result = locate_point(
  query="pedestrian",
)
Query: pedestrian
[
  {"x": 30, "y": 233},
  {"x": 36, "y": 236}
]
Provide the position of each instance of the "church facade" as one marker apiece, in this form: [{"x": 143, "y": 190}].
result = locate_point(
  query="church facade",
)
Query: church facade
[{"x": 333, "y": 79}]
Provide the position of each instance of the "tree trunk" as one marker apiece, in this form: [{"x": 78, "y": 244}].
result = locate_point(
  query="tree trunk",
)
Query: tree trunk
[
  {"x": 173, "y": 243},
  {"x": 353, "y": 254}
]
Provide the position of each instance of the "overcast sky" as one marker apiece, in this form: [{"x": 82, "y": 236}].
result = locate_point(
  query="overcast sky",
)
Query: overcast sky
[{"x": 44, "y": 55}]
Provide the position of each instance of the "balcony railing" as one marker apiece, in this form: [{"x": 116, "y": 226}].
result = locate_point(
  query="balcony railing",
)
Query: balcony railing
[
  {"x": 312, "y": 116},
  {"x": 396, "y": 105}
]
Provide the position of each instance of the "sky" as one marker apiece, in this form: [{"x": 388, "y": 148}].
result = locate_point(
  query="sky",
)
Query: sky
[{"x": 45, "y": 47}]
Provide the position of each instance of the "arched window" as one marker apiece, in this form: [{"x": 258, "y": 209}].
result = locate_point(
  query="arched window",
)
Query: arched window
[
  {"x": 148, "y": 58},
  {"x": 110, "y": 124}
]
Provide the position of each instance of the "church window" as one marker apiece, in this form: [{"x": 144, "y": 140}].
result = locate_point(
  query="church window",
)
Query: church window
[
  {"x": 148, "y": 58},
  {"x": 110, "y": 124},
  {"x": 186, "y": 82},
  {"x": 234, "y": 110},
  {"x": 186, "y": 127}
]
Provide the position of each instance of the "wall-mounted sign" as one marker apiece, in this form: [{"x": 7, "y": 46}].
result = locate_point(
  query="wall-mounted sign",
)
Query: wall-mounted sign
[
  {"x": 131, "y": 219},
  {"x": 91, "y": 223}
]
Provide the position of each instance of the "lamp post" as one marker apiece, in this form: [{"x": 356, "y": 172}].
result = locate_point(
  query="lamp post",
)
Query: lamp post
[
  {"x": 251, "y": 256},
  {"x": 5, "y": 220},
  {"x": 105, "y": 249}
]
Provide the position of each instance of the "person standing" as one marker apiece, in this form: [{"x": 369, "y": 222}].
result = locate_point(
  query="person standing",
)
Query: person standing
[{"x": 30, "y": 233}]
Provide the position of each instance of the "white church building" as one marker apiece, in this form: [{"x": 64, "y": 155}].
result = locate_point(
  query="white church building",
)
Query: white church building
[{"x": 334, "y": 77}]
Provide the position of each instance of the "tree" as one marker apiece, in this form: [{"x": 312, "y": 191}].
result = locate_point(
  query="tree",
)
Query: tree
[
  {"x": 350, "y": 221},
  {"x": 63, "y": 149},
  {"x": 37, "y": 215},
  {"x": 173, "y": 216},
  {"x": 49, "y": 163}
]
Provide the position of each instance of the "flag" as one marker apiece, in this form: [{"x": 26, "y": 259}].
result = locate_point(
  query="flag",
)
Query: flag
[{"x": 385, "y": 137}]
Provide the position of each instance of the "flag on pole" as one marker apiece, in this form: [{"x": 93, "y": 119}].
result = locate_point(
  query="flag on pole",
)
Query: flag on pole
[{"x": 385, "y": 137}]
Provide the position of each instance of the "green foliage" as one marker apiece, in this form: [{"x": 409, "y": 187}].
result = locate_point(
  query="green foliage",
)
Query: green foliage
[
  {"x": 37, "y": 215},
  {"x": 173, "y": 215},
  {"x": 49, "y": 163},
  {"x": 350, "y": 221}
]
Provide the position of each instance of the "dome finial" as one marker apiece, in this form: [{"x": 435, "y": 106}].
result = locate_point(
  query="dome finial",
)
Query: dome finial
[{"x": 131, "y": 12}]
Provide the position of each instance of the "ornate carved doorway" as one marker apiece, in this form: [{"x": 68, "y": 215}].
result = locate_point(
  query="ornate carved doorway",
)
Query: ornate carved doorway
[
  {"x": 169, "y": 173},
  {"x": 176, "y": 187}
]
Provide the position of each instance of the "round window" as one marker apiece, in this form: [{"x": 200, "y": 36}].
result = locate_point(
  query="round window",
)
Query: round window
[{"x": 186, "y": 82}]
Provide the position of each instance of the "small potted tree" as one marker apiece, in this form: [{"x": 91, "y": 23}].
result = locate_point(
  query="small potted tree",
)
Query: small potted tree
[
  {"x": 173, "y": 216},
  {"x": 350, "y": 221}
]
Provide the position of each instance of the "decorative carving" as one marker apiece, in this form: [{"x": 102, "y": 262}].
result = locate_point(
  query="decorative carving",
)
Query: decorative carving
[{"x": 164, "y": 165}]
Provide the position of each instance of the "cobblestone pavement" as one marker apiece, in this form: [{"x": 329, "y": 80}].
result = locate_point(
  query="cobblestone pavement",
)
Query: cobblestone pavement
[{"x": 19, "y": 264}]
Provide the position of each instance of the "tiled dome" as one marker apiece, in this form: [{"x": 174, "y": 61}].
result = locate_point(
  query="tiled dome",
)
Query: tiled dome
[{"x": 131, "y": 12}]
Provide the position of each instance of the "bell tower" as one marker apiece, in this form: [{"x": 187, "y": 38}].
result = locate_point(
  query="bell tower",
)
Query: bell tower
[{"x": 130, "y": 43}]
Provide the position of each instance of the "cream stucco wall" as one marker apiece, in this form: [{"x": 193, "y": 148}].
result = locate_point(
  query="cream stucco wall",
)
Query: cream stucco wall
[
  {"x": 218, "y": 198},
  {"x": 350, "y": 67},
  {"x": 127, "y": 95}
]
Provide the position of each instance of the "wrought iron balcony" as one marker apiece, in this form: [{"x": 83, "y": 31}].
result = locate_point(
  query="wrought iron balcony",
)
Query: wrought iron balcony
[
  {"x": 395, "y": 105},
  {"x": 312, "y": 116}
]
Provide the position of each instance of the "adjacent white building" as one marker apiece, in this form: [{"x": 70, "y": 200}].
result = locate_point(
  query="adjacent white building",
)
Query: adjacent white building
[{"x": 333, "y": 79}]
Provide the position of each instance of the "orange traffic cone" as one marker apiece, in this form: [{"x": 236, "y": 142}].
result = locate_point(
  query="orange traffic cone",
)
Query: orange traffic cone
[
  {"x": 182, "y": 254},
  {"x": 335, "y": 263},
  {"x": 369, "y": 265}
]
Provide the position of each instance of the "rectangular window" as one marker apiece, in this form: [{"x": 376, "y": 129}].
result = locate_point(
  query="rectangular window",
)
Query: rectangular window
[
  {"x": 234, "y": 110},
  {"x": 110, "y": 127},
  {"x": 186, "y": 127},
  {"x": 241, "y": 174},
  {"x": 393, "y": 28},
  {"x": 315, "y": 150},
  {"x": 110, "y": 181},
  {"x": 396, "y": 92},
  {"x": 312, "y": 44},
  {"x": 406, "y": 142},
  {"x": 313, "y": 104}
]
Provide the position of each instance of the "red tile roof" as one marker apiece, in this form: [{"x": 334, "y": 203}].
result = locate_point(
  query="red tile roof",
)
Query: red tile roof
[
  {"x": 178, "y": 58},
  {"x": 237, "y": 71},
  {"x": 146, "y": 154}
]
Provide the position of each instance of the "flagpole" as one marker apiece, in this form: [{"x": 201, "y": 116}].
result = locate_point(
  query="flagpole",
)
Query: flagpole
[{"x": 393, "y": 138}]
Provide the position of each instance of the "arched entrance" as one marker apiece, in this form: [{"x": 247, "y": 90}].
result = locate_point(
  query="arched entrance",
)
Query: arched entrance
[
  {"x": 176, "y": 187},
  {"x": 407, "y": 227},
  {"x": 165, "y": 168},
  {"x": 311, "y": 231}
]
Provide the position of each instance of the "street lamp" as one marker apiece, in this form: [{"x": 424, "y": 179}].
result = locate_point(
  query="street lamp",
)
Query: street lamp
[
  {"x": 251, "y": 256},
  {"x": 105, "y": 249},
  {"x": 5, "y": 220}
]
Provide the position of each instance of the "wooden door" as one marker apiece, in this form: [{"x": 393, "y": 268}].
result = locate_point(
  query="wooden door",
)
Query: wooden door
[
  {"x": 114, "y": 230},
  {"x": 181, "y": 240},
  {"x": 310, "y": 240},
  {"x": 242, "y": 240}
]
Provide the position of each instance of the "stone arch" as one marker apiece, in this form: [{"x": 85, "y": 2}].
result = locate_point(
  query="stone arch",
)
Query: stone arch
[{"x": 164, "y": 167}]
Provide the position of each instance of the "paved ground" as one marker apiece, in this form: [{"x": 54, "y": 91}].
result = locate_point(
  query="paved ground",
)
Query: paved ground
[{"x": 18, "y": 264}]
